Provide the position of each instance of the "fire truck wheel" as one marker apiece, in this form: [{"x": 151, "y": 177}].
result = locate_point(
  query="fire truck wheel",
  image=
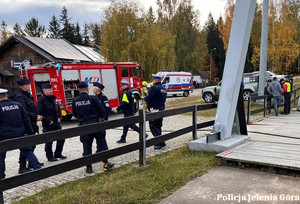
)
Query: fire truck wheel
[
  {"x": 186, "y": 93},
  {"x": 137, "y": 103},
  {"x": 67, "y": 117}
]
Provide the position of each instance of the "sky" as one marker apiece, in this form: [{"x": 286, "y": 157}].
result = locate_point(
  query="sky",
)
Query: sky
[{"x": 84, "y": 11}]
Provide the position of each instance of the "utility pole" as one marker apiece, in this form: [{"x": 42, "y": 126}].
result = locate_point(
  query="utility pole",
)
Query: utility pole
[{"x": 263, "y": 49}]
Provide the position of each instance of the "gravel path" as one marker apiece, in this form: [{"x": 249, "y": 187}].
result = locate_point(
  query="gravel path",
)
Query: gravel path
[{"x": 73, "y": 150}]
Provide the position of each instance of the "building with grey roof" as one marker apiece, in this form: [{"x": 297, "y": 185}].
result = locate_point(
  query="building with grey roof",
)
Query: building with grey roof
[{"x": 37, "y": 52}]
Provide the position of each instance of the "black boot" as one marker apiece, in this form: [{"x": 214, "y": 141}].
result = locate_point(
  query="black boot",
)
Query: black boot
[
  {"x": 89, "y": 169},
  {"x": 23, "y": 169}
]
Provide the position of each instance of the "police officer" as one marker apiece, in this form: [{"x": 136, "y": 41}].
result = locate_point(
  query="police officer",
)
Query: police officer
[
  {"x": 287, "y": 93},
  {"x": 99, "y": 93},
  {"x": 156, "y": 102},
  {"x": 14, "y": 122},
  {"x": 24, "y": 97},
  {"x": 88, "y": 109},
  {"x": 127, "y": 106},
  {"x": 50, "y": 110}
]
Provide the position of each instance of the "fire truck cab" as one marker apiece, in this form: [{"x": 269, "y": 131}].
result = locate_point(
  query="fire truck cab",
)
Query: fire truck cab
[{"x": 65, "y": 77}]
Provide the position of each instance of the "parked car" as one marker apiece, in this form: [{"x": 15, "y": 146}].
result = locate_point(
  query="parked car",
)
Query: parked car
[
  {"x": 270, "y": 75},
  {"x": 211, "y": 93}
]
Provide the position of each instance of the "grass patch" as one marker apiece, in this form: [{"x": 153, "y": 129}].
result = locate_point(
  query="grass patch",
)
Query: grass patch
[
  {"x": 130, "y": 183},
  {"x": 190, "y": 101},
  {"x": 185, "y": 101}
]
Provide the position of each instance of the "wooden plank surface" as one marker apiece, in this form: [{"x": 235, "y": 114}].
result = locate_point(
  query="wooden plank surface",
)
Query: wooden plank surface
[{"x": 269, "y": 143}]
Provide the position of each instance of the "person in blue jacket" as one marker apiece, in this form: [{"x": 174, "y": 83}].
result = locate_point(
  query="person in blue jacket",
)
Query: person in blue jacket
[
  {"x": 14, "y": 122},
  {"x": 156, "y": 102},
  {"x": 88, "y": 109},
  {"x": 24, "y": 97},
  {"x": 127, "y": 106},
  {"x": 49, "y": 109}
]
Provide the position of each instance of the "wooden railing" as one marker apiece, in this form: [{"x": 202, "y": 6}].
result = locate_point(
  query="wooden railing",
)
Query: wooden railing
[
  {"x": 142, "y": 118},
  {"x": 266, "y": 106}
]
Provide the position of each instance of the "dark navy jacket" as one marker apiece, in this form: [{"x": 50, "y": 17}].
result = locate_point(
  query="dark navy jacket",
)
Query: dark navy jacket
[
  {"x": 14, "y": 121},
  {"x": 127, "y": 103},
  {"x": 26, "y": 100},
  {"x": 49, "y": 109},
  {"x": 104, "y": 101},
  {"x": 156, "y": 97},
  {"x": 87, "y": 109}
]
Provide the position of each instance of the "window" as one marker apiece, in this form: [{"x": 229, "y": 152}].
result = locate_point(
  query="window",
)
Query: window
[
  {"x": 136, "y": 72},
  {"x": 124, "y": 72},
  {"x": 166, "y": 80}
]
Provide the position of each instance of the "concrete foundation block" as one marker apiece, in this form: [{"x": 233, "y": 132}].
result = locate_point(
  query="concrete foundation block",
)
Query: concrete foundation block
[{"x": 218, "y": 146}]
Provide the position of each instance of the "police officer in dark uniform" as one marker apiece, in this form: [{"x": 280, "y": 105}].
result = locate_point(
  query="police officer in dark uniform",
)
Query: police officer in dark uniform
[
  {"x": 99, "y": 93},
  {"x": 24, "y": 97},
  {"x": 48, "y": 108},
  {"x": 88, "y": 109},
  {"x": 14, "y": 122},
  {"x": 127, "y": 106},
  {"x": 156, "y": 102}
]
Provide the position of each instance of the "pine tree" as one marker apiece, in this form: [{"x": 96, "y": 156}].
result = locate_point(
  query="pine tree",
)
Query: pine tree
[
  {"x": 215, "y": 44},
  {"x": 150, "y": 18},
  {"x": 4, "y": 31},
  {"x": 86, "y": 38},
  {"x": 18, "y": 30},
  {"x": 67, "y": 31},
  {"x": 34, "y": 29},
  {"x": 54, "y": 28},
  {"x": 77, "y": 36},
  {"x": 95, "y": 30}
]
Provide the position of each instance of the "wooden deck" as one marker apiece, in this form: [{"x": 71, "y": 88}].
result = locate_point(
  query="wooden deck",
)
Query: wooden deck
[{"x": 274, "y": 142}]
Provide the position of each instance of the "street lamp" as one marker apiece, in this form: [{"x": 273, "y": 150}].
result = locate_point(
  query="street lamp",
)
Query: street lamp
[{"x": 211, "y": 63}]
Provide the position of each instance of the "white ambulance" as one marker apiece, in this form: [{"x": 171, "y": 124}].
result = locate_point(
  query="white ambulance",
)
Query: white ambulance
[{"x": 177, "y": 83}]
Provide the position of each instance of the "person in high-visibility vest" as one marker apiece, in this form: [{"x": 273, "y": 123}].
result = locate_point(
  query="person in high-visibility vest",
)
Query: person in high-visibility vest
[
  {"x": 127, "y": 106},
  {"x": 287, "y": 93},
  {"x": 144, "y": 93}
]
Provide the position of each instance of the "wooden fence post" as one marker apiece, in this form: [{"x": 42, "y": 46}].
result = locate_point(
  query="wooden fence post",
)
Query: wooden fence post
[
  {"x": 249, "y": 110},
  {"x": 142, "y": 138},
  {"x": 195, "y": 123},
  {"x": 1, "y": 197}
]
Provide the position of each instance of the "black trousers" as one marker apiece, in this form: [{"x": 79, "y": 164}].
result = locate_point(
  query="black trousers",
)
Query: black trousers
[
  {"x": 126, "y": 127},
  {"x": 155, "y": 128},
  {"x": 287, "y": 102},
  {"x": 59, "y": 143}
]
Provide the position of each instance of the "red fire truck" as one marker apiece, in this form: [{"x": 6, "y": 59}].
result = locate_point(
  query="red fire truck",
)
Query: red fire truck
[{"x": 65, "y": 77}]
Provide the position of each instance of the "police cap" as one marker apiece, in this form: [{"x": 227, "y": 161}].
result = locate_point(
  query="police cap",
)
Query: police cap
[
  {"x": 46, "y": 86},
  {"x": 82, "y": 85},
  {"x": 100, "y": 86},
  {"x": 155, "y": 76},
  {"x": 124, "y": 83},
  {"x": 22, "y": 82},
  {"x": 3, "y": 91}
]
